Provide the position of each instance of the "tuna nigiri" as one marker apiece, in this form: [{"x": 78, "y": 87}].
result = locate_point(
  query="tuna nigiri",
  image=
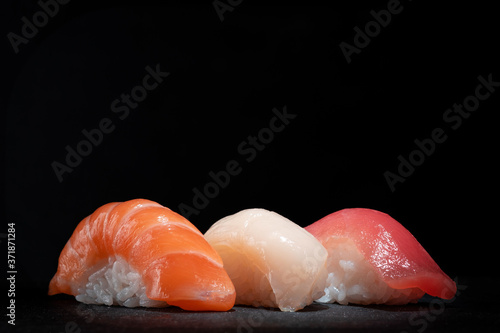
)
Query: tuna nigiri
[
  {"x": 373, "y": 259},
  {"x": 139, "y": 253},
  {"x": 272, "y": 261}
]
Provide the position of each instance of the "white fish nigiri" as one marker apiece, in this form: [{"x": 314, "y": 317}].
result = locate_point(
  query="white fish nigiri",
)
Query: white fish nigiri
[{"x": 272, "y": 261}]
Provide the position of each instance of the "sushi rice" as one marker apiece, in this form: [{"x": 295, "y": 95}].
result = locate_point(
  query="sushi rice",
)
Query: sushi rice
[
  {"x": 116, "y": 283},
  {"x": 351, "y": 279}
]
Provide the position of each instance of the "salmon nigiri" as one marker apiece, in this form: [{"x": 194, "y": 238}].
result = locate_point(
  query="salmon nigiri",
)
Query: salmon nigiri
[
  {"x": 139, "y": 253},
  {"x": 373, "y": 259}
]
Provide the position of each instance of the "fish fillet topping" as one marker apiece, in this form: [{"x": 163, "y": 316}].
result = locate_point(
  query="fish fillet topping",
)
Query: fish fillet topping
[
  {"x": 272, "y": 261},
  {"x": 139, "y": 253},
  {"x": 373, "y": 259}
]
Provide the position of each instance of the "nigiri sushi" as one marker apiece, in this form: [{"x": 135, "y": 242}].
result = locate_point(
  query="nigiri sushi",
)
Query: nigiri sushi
[
  {"x": 272, "y": 261},
  {"x": 373, "y": 259},
  {"x": 139, "y": 253}
]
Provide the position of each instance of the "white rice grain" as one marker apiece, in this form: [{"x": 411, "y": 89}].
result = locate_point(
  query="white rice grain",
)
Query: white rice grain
[
  {"x": 116, "y": 283},
  {"x": 351, "y": 279}
]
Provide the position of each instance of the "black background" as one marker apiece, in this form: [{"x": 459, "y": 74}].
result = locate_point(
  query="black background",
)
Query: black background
[{"x": 352, "y": 120}]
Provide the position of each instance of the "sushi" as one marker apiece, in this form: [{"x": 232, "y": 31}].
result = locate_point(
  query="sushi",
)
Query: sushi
[
  {"x": 272, "y": 261},
  {"x": 139, "y": 253},
  {"x": 373, "y": 259}
]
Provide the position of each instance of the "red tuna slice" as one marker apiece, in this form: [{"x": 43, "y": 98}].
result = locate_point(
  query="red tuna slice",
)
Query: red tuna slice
[{"x": 389, "y": 247}]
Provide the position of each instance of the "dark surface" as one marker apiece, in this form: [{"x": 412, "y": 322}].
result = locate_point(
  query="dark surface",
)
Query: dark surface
[{"x": 475, "y": 309}]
